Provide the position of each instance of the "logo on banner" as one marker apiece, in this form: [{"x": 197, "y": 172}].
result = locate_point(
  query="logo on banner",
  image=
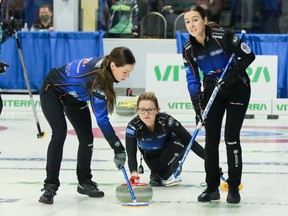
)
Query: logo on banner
[
  {"x": 171, "y": 70},
  {"x": 260, "y": 71}
]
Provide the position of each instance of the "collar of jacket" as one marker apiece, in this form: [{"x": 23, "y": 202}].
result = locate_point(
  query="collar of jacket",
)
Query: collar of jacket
[{"x": 193, "y": 40}]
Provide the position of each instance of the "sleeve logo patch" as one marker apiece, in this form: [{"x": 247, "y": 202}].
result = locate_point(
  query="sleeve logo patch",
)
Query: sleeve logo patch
[
  {"x": 235, "y": 40},
  {"x": 130, "y": 131},
  {"x": 245, "y": 48},
  {"x": 170, "y": 122}
]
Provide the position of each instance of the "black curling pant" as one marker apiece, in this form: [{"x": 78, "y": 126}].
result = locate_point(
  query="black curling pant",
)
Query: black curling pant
[
  {"x": 54, "y": 106},
  {"x": 235, "y": 104},
  {"x": 167, "y": 162}
]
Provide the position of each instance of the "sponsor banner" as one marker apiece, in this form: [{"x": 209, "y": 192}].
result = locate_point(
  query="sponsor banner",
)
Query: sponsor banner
[
  {"x": 280, "y": 107},
  {"x": 184, "y": 106},
  {"x": 263, "y": 74},
  {"x": 177, "y": 106},
  {"x": 166, "y": 76},
  {"x": 20, "y": 103},
  {"x": 260, "y": 107}
]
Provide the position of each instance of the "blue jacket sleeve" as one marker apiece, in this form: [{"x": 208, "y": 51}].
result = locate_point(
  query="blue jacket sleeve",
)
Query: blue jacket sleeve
[
  {"x": 192, "y": 76},
  {"x": 99, "y": 106}
]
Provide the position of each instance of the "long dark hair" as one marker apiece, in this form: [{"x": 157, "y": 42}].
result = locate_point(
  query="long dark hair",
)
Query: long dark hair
[
  {"x": 198, "y": 9},
  {"x": 203, "y": 14},
  {"x": 120, "y": 56}
]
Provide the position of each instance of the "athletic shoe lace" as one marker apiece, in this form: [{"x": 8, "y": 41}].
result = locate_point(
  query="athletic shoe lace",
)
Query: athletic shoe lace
[
  {"x": 49, "y": 190},
  {"x": 89, "y": 184}
]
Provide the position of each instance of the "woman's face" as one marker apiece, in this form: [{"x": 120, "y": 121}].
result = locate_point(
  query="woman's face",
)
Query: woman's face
[
  {"x": 147, "y": 112},
  {"x": 195, "y": 24},
  {"x": 123, "y": 72}
]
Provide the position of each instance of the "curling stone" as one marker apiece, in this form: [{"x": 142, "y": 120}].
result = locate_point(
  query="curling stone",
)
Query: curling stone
[
  {"x": 126, "y": 107},
  {"x": 143, "y": 192}
]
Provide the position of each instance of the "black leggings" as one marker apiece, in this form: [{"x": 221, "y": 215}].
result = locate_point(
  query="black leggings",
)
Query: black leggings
[
  {"x": 235, "y": 106},
  {"x": 166, "y": 163},
  {"x": 54, "y": 106}
]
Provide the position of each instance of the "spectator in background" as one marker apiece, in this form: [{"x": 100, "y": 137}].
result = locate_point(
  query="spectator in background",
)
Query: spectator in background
[
  {"x": 248, "y": 15},
  {"x": 123, "y": 19},
  {"x": 233, "y": 8},
  {"x": 170, "y": 10},
  {"x": 45, "y": 20}
]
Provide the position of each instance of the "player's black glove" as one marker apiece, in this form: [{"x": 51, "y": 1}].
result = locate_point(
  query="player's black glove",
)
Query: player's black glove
[
  {"x": 120, "y": 154},
  {"x": 10, "y": 27},
  {"x": 3, "y": 67},
  {"x": 13, "y": 27},
  {"x": 198, "y": 116},
  {"x": 196, "y": 101},
  {"x": 119, "y": 159}
]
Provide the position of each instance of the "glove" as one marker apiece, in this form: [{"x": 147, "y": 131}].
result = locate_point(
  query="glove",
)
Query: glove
[
  {"x": 3, "y": 67},
  {"x": 220, "y": 172},
  {"x": 119, "y": 151},
  {"x": 119, "y": 160},
  {"x": 13, "y": 27},
  {"x": 198, "y": 116},
  {"x": 9, "y": 28},
  {"x": 196, "y": 101},
  {"x": 232, "y": 73}
]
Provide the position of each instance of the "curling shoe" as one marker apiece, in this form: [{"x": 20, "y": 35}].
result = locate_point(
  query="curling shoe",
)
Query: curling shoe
[
  {"x": 90, "y": 188},
  {"x": 209, "y": 194},
  {"x": 155, "y": 180},
  {"x": 172, "y": 181},
  {"x": 233, "y": 196},
  {"x": 48, "y": 195}
]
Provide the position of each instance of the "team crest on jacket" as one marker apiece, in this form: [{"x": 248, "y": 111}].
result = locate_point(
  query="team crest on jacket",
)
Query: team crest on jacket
[
  {"x": 245, "y": 48},
  {"x": 86, "y": 60}
]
